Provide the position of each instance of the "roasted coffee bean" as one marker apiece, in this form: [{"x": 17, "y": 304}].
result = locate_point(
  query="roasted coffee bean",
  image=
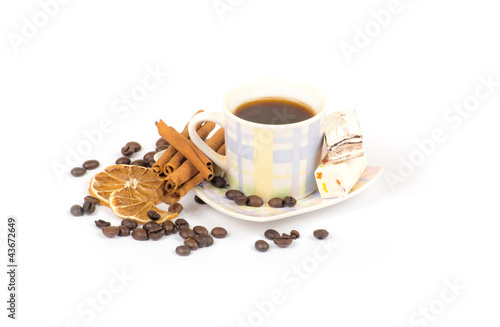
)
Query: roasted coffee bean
[
  {"x": 275, "y": 203},
  {"x": 161, "y": 141},
  {"x": 124, "y": 231},
  {"x": 200, "y": 230},
  {"x": 127, "y": 151},
  {"x": 91, "y": 199},
  {"x": 208, "y": 239},
  {"x": 191, "y": 243},
  {"x": 294, "y": 234},
  {"x": 285, "y": 234},
  {"x": 161, "y": 148},
  {"x": 261, "y": 246},
  {"x": 176, "y": 207},
  {"x": 197, "y": 199},
  {"x": 150, "y": 162},
  {"x": 123, "y": 161},
  {"x": 231, "y": 194},
  {"x": 283, "y": 241},
  {"x": 90, "y": 164},
  {"x": 219, "y": 232},
  {"x": 186, "y": 233},
  {"x": 168, "y": 226},
  {"x": 140, "y": 234},
  {"x": 201, "y": 242},
  {"x": 111, "y": 231},
  {"x": 153, "y": 215},
  {"x": 181, "y": 223},
  {"x": 78, "y": 171},
  {"x": 219, "y": 182},
  {"x": 183, "y": 250},
  {"x": 149, "y": 155},
  {"x": 254, "y": 201},
  {"x": 241, "y": 200},
  {"x": 321, "y": 234},
  {"x": 88, "y": 207},
  {"x": 156, "y": 232},
  {"x": 101, "y": 223},
  {"x": 134, "y": 145},
  {"x": 271, "y": 234},
  {"x": 129, "y": 223},
  {"x": 290, "y": 201},
  {"x": 149, "y": 225},
  {"x": 139, "y": 162},
  {"x": 76, "y": 210}
]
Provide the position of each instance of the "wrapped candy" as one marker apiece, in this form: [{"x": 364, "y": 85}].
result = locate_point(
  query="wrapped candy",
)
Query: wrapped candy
[
  {"x": 343, "y": 136},
  {"x": 337, "y": 179}
]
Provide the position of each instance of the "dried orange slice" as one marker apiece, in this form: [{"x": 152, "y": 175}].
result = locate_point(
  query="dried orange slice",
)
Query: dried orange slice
[
  {"x": 131, "y": 203},
  {"x": 116, "y": 177}
]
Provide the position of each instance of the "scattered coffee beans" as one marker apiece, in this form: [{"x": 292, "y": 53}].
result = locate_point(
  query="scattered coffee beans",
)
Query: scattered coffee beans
[
  {"x": 197, "y": 199},
  {"x": 129, "y": 223},
  {"x": 183, "y": 250},
  {"x": 231, "y": 194},
  {"x": 140, "y": 234},
  {"x": 283, "y": 241},
  {"x": 241, "y": 200},
  {"x": 200, "y": 230},
  {"x": 134, "y": 145},
  {"x": 123, "y": 231},
  {"x": 123, "y": 161},
  {"x": 201, "y": 242},
  {"x": 321, "y": 234},
  {"x": 149, "y": 225},
  {"x": 191, "y": 244},
  {"x": 127, "y": 151},
  {"x": 169, "y": 227},
  {"x": 271, "y": 234},
  {"x": 275, "y": 202},
  {"x": 161, "y": 141},
  {"x": 88, "y": 207},
  {"x": 153, "y": 215},
  {"x": 149, "y": 155},
  {"x": 76, "y": 210},
  {"x": 161, "y": 148},
  {"x": 139, "y": 162},
  {"x": 294, "y": 234},
  {"x": 290, "y": 201},
  {"x": 90, "y": 164},
  {"x": 219, "y": 232},
  {"x": 176, "y": 207},
  {"x": 186, "y": 233},
  {"x": 78, "y": 171},
  {"x": 111, "y": 231},
  {"x": 261, "y": 246},
  {"x": 181, "y": 223},
  {"x": 101, "y": 223},
  {"x": 219, "y": 182},
  {"x": 155, "y": 232},
  {"x": 207, "y": 239},
  {"x": 91, "y": 199},
  {"x": 255, "y": 201}
]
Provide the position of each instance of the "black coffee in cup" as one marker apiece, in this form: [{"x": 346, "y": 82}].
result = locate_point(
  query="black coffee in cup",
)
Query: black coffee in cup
[{"x": 274, "y": 111}]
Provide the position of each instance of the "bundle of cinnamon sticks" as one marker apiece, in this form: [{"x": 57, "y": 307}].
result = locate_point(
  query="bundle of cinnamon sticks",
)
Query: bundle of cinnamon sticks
[{"x": 183, "y": 164}]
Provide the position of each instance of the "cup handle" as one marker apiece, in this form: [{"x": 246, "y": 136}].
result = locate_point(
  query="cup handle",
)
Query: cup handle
[{"x": 215, "y": 117}]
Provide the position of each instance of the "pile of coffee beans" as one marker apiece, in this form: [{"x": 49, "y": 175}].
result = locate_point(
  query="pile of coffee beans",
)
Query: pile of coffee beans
[
  {"x": 87, "y": 165},
  {"x": 129, "y": 150},
  {"x": 88, "y": 207}
]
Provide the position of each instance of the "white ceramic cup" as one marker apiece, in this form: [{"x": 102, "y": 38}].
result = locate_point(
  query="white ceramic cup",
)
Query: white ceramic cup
[{"x": 265, "y": 159}]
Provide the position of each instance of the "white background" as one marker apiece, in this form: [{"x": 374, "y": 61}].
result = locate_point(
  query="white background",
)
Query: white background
[{"x": 396, "y": 246}]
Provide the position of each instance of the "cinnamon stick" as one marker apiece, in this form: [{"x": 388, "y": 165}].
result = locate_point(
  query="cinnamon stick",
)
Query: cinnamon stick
[
  {"x": 187, "y": 148},
  {"x": 170, "y": 152},
  {"x": 188, "y": 170},
  {"x": 178, "y": 158}
]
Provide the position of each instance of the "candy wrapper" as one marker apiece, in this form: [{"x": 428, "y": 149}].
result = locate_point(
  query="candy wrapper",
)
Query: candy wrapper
[
  {"x": 336, "y": 179},
  {"x": 343, "y": 137}
]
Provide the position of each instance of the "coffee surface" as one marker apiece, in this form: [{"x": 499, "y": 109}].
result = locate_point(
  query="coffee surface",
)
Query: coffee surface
[{"x": 274, "y": 111}]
